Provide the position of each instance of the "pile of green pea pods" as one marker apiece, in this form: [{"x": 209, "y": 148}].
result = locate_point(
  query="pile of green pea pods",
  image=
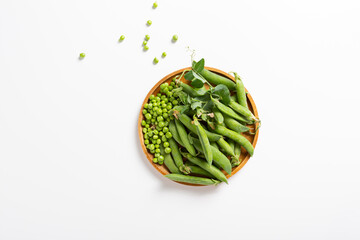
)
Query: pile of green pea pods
[{"x": 195, "y": 148}]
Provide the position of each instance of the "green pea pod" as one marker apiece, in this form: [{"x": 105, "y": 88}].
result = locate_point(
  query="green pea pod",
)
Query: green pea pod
[
  {"x": 175, "y": 152},
  {"x": 199, "y": 171},
  {"x": 192, "y": 179},
  {"x": 219, "y": 159},
  {"x": 226, "y": 147},
  {"x": 235, "y": 161},
  {"x": 235, "y": 125},
  {"x": 228, "y": 111},
  {"x": 232, "y": 144},
  {"x": 168, "y": 161},
  {"x": 184, "y": 137},
  {"x": 189, "y": 90},
  {"x": 240, "y": 91},
  {"x": 236, "y": 137},
  {"x": 174, "y": 132},
  {"x": 186, "y": 120},
  {"x": 237, "y": 149},
  {"x": 218, "y": 116},
  {"x": 216, "y": 79},
  {"x": 205, "y": 144},
  {"x": 207, "y": 167},
  {"x": 243, "y": 111}
]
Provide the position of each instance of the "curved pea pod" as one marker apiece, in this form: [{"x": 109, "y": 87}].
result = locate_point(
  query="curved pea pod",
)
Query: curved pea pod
[
  {"x": 184, "y": 137},
  {"x": 235, "y": 125},
  {"x": 236, "y": 137},
  {"x": 186, "y": 120},
  {"x": 192, "y": 179},
  {"x": 226, "y": 147},
  {"x": 216, "y": 79},
  {"x": 240, "y": 91},
  {"x": 189, "y": 90},
  {"x": 228, "y": 111},
  {"x": 206, "y": 166},
  {"x": 218, "y": 157},
  {"x": 175, "y": 152},
  {"x": 199, "y": 171},
  {"x": 205, "y": 144},
  {"x": 218, "y": 116},
  {"x": 243, "y": 111},
  {"x": 168, "y": 161},
  {"x": 174, "y": 133}
]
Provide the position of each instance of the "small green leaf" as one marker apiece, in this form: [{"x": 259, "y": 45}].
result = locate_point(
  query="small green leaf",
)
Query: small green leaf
[
  {"x": 198, "y": 76},
  {"x": 183, "y": 97},
  {"x": 204, "y": 117},
  {"x": 223, "y": 92},
  {"x": 199, "y": 66},
  {"x": 185, "y": 109},
  {"x": 208, "y": 106},
  {"x": 199, "y": 112},
  {"x": 196, "y": 104},
  {"x": 197, "y": 83},
  {"x": 204, "y": 98},
  {"x": 189, "y": 76},
  {"x": 188, "y": 99},
  {"x": 201, "y": 91}
]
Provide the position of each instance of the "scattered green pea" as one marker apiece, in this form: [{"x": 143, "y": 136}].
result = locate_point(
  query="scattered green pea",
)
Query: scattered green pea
[
  {"x": 82, "y": 55},
  {"x": 149, "y": 22},
  {"x": 175, "y": 38},
  {"x": 156, "y": 61},
  {"x": 144, "y": 43},
  {"x": 163, "y": 54},
  {"x": 146, "y": 47},
  {"x": 147, "y": 37},
  {"x": 155, "y": 5},
  {"x": 122, "y": 37}
]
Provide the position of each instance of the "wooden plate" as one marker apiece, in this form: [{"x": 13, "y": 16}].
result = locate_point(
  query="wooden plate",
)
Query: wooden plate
[{"x": 155, "y": 90}]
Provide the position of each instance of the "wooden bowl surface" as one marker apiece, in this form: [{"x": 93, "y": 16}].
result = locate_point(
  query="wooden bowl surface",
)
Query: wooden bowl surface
[{"x": 244, "y": 157}]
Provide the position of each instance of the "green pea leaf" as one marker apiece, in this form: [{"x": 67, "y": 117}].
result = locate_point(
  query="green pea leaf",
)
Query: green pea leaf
[
  {"x": 204, "y": 117},
  {"x": 201, "y": 91},
  {"x": 189, "y": 101},
  {"x": 197, "y": 83},
  {"x": 199, "y": 66},
  {"x": 196, "y": 104},
  {"x": 185, "y": 109},
  {"x": 183, "y": 97},
  {"x": 189, "y": 76},
  {"x": 223, "y": 92},
  {"x": 208, "y": 106},
  {"x": 204, "y": 98}
]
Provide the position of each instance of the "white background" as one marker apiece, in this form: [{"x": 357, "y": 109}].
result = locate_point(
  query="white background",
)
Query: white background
[{"x": 71, "y": 166}]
